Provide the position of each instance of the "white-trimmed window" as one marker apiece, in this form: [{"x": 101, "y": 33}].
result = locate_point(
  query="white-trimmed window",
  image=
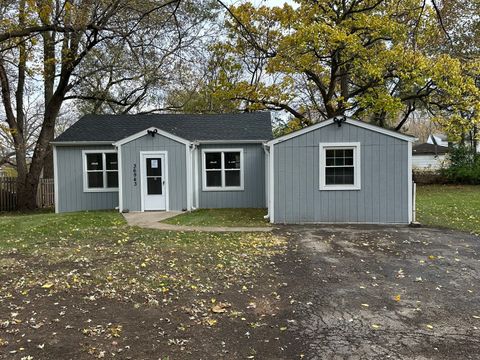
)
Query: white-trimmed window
[
  {"x": 222, "y": 169},
  {"x": 340, "y": 166},
  {"x": 100, "y": 170}
]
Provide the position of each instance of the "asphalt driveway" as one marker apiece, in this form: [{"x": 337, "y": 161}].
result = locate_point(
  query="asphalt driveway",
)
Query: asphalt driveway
[{"x": 384, "y": 292}]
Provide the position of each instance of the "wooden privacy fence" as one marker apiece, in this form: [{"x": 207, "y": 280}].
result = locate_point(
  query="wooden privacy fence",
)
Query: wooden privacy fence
[{"x": 8, "y": 193}]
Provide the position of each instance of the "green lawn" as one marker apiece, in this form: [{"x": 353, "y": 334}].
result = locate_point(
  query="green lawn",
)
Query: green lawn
[
  {"x": 221, "y": 217},
  {"x": 104, "y": 240},
  {"x": 93, "y": 279},
  {"x": 452, "y": 206}
]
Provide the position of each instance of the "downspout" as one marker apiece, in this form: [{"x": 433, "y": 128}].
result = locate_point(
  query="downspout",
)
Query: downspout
[
  {"x": 120, "y": 179},
  {"x": 267, "y": 178},
  {"x": 194, "y": 153}
]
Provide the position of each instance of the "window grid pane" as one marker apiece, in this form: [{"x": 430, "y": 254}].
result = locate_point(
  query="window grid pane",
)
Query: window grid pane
[
  {"x": 213, "y": 160},
  {"x": 339, "y": 167},
  {"x": 102, "y": 170},
  {"x": 95, "y": 179},
  {"x": 94, "y": 161},
  {"x": 214, "y": 178},
  {"x": 232, "y": 178},
  {"x": 222, "y": 169},
  {"x": 112, "y": 179},
  {"x": 232, "y": 160},
  {"x": 112, "y": 161}
]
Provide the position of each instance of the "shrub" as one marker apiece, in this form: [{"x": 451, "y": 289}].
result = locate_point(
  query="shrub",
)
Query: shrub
[{"x": 464, "y": 166}]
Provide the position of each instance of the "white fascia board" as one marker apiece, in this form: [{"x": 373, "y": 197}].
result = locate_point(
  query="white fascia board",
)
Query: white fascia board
[
  {"x": 230, "y": 141},
  {"x": 145, "y": 132},
  {"x": 347, "y": 121},
  {"x": 79, "y": 143}
]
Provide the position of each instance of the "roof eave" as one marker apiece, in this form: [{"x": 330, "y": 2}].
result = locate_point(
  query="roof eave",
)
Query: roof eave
[{"x": 348, "y": 121}]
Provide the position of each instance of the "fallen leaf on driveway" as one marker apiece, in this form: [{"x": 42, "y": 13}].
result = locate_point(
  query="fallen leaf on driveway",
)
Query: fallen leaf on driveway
[
  {"x": 397, "y": 298},
  {"x": 365, "y": 305},
  {"x": 376, "y": 326},
  {"x": 429, "y": 326}
]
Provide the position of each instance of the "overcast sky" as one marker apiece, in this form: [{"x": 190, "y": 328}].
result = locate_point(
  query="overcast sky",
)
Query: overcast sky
[{"x": 263, "y": 2}]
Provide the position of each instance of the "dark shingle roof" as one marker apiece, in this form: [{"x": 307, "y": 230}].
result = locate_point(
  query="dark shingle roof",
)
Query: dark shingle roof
[
  {"x": 423, "y": 149},
  {"x": 242, "y": 126}
]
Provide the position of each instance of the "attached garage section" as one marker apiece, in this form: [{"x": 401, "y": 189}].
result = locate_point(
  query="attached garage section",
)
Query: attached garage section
[{"x": 340, "y": 172}]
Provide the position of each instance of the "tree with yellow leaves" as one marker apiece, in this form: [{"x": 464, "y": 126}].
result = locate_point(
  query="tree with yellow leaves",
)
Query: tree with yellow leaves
[{"x": 369, "y": 59}]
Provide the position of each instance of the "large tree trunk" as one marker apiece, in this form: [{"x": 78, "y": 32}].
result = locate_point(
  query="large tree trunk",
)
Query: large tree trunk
[
  {"x": 49, "y": 84},
  {"x": 27, "y": 193}
]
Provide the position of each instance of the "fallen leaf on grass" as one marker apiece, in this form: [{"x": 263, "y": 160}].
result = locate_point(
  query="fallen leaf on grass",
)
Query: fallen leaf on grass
[
  {"x": 220, "y": 308},
  {"x": 210, "y": 322},
  {"x": 115, "y": 330},
  {"x": 47, "y": 285}
]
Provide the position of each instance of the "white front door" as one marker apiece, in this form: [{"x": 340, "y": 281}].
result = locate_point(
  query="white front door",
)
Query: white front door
[{"x": 154, "y": 181}]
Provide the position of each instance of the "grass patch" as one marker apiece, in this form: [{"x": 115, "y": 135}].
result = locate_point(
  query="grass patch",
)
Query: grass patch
[
  {"x": 452, "y": 206},
  {"x": 221, "y": 217},
  {"x": 81, "y": 271},
  {"x": 56, "y": 241}
]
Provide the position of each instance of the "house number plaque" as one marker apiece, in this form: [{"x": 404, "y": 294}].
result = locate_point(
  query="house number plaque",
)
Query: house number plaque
[{"x": 134, "y": 174}]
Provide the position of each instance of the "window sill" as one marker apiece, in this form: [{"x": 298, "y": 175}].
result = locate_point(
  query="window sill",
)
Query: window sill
[
  {"x": 223, "y": 189},
  {"x": 100, "y": 190},
  {"x": 339, "y": 188}
]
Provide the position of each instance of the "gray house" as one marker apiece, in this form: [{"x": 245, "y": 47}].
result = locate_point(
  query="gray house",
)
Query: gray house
[
  {"x": 162, "y": 162},
  {"x": 339, "y": 170}
]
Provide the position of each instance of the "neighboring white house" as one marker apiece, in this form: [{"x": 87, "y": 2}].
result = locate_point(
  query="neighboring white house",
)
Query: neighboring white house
[
  {"x": 442, "y": 140},
  {"x": 438, "y": 139},
  {"x": 428, "y": 156}
]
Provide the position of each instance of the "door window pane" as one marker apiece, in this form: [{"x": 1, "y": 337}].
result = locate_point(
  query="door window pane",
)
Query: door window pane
[
  {"x": 213, "y": 160},
  {"x": 232, "y": 160},
  {"x": 214, "y": 178},
  {"x": 95, "y": 179},
  {"x": 154, "y": 186},
  {"x": 112, "y": 179},
  {"x": 232, "y": 178},
  {"x": 94, "y": 161},
  {"x": 154, "y": 167}
]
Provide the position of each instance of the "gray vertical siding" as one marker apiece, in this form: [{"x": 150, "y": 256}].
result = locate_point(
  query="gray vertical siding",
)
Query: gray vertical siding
[
  {"x": 70, "y": 182},
  {"x": 253, "y": 195},
  {"x": 177, "y": 177},
  {"x": 383, "y": 197}
]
